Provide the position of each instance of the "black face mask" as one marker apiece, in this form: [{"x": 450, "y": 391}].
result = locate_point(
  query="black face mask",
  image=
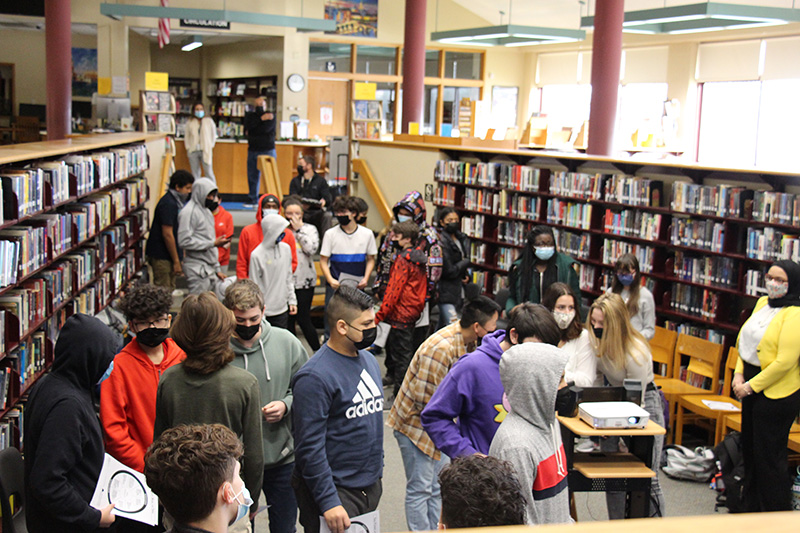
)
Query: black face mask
[
  {"x": 247, "y": 332},
  {"x": 212, "y": 205},
  {"x": 152, "y": 337},
  {"x": 362, "y": 220},
  {"x": 343, "y": 219},
  {"x": 598, "y": 332},
  {"x": 452, "y": 227},
  {"x": 565, "y": 402},
  {"x": 369, "y": 336}
]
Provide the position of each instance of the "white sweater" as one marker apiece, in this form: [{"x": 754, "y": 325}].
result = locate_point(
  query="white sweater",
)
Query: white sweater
[{"x": 202, "y": 134}]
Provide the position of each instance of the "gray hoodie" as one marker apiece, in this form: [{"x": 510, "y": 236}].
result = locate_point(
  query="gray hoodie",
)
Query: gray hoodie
[
  {"x": 196, "y": 233},
  {"x": 271, "y": 267},
  {"x": 529, "y": 436}
]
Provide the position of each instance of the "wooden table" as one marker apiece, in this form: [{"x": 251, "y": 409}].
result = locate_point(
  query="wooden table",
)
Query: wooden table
[{"x": 618, "y": 472}]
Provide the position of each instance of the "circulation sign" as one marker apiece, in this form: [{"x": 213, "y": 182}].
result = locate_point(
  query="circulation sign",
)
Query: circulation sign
[{"x": 214, "y": 24}]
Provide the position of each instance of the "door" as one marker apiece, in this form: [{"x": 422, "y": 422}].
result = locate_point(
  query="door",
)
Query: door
[{"x": 327, "y": 107}]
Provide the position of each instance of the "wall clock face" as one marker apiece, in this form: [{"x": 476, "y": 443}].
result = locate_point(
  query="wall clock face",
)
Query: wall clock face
[{"x": 296, "y": 83}]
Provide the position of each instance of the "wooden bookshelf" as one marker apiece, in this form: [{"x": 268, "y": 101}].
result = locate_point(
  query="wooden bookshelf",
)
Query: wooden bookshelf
[
  {"x": 232, "y": 98},
  {"x": 91, "y": 251}
]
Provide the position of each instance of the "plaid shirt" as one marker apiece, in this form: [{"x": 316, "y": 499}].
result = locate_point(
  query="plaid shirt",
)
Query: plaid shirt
[{"x": 427, "y": 369}]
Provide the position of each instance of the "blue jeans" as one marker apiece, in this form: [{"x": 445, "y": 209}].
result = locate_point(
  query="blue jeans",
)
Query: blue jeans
[
  {"x": 281, "y": 501},
  {"x": 447, "y": 313},
  {"x": 423, "y": 496},
  {"x": 253, "y": 181}
]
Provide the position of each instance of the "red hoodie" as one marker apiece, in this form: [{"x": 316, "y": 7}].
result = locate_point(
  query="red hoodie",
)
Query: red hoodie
[
  {"x": 405, "y": 294},
  {"x": 128, "y": 401},
  {"x": 251, "y": 237},
  {"x": 223, "y": 225}
]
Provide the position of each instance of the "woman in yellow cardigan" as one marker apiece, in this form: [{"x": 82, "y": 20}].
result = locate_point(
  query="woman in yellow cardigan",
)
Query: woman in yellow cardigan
[{"x": 767, "y": 381}]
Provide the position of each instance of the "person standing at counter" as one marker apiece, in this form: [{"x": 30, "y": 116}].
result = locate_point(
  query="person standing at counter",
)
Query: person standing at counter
[
  {"x": 201, "y": 136},
  {"x": 259, "y": 125}
]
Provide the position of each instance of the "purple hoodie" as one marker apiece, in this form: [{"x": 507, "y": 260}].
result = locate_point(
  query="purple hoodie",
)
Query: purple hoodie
[{"x": 473, "y": 393}]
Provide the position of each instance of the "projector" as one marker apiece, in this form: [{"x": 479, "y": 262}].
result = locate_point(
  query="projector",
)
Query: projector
[{"x": 613, "y": 415}]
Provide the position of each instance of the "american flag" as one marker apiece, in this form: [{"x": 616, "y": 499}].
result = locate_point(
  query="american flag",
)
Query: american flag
[{"x": 163, "y": 28}]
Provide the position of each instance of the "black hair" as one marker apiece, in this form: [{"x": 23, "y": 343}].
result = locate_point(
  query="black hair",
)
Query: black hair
[
  {"x": 442, "y": 212},
  {"x": 528, "y": 262},
  {"x": 481, "y": 309},
  {"x": 406, "y": 230},
  {"x": 347, "y": 303},
  {"x": 358, "y": 204},
  {"x": 533, "y": 320},
  {"x": 180, "y": 178},
  {"x": 341, "y": 203},
  {"x": 145, "y": 301}
]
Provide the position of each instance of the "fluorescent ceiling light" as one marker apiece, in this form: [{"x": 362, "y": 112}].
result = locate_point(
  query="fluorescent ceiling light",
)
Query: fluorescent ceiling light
[
  {"x": 694, "y": 18},
  {"x": 194, "y": 44},
  {"x": 508, "y": 35}
]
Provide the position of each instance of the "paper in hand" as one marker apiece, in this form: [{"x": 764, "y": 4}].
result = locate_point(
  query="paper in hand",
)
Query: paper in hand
[
  {"x": 365, "y": 523},
  {"x": 127, "y": 489}
]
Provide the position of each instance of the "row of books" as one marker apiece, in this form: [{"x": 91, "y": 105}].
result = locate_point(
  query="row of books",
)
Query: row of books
[
  {"x": 520, "y": 178},
  {"x": 23, "y": 249},
  {"x": 518, "y": 205},
  {"x": 11, "y": 425},
  {"x": 608, "y": 276},
  {"x": 489, "y": 283},
  {"x": 477, "y": 252},
  {"x": 577, "y": 185},
  {"x": 754, "y": 283},
  {"x": 572, "y": 214},
  {"x": 27, "y": 186},
  {"x": 577, "y": 245},
  {"x": 473, "y": 226},
  {"x": 506, "y": 257},
  {"x": 776, "y": 207},
  {"x": 105, "y": 168},
  {"x": 612, "y": 249},
  {"x": 230, "y": 129},
  {"x": 230, "y": 108},
  {"x": 632, "y": 223},
  {"x": 586, "y": 276},
  {"x": 694, "y": 330},
  {"x": 445, "y": 195},
  {"x": 634, "y": 191},
  {"x": 714, "y": 200},
  {"x": 694, "y": 301},
  {"x": 512, "y": 232},
  {"x": 30, "y": 357},
  {"x": 769, "y": 244},
  {"x": 226, "y": 88},
  {"x": 481, "y": 200},
  {"x": 28, "y": 303},
  {"x": 720, "y": 271},
  {"x": 701, "y": 234}
]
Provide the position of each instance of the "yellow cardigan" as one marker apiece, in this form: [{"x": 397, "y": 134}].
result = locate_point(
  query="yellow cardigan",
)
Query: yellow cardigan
[{"x": 779, "y": 354}]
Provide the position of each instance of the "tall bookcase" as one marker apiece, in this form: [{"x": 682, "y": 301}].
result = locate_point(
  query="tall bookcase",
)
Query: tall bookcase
[
  {"x": 72, "y": 229},
  {"x": 186, "y": 92},
  {"x": 232, "y": 98},
  {"x": 703, "y": 248}
]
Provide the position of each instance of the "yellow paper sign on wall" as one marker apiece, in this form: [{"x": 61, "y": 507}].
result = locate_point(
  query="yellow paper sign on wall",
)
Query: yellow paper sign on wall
[
  {"x": 366, "y": 91},
  {"x": 103, "y": 85},
  {"x": 156, "y": 81}
]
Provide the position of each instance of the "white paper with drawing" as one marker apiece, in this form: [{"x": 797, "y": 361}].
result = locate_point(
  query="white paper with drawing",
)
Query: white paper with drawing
[
  {"x": 127, "y": 490},
  {"x": 365, "y": 523}
]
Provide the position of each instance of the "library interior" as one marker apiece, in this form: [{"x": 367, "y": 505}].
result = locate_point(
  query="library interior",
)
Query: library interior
[{"x": 596, "y": 147}]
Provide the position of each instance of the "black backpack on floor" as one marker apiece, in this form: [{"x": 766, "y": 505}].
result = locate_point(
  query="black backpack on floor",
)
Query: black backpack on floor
[{"x": 730, "y": 478}]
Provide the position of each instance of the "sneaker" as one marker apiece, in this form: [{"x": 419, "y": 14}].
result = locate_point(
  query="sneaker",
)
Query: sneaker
[
  {"x": 585, "y": 445},
  {"x": 249, "y": 206},
  {"x": 177, "y": 293},
  {"x": 387, "y": 381}
]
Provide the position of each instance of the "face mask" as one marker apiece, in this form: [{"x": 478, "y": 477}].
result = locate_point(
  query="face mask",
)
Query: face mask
[
  {"x": 451, "y": 227},
  {"x": 243, "y": 507},
  {"x": 368, "y": 337},
  {"x": 199, "y": 114},
  {"x": 152, "y": 337},
  {"x": 300, "y": 170},
  {"x": 265, "y": 212},
  {"x": 247, "y": 332},
  {"x": 403, "y": 218},
  {"x": 184, "y": 196},
  {"x": 776, "y": 289},
  {"x": 280, "y": 237},
  {"x": 563, "y": 319},
  {"x": 544, "y": 252},
  {"x": 598, "y": 332},
  {"x": 565, "y": 402},
  {"x": 343, "y": 219},
  {"x": 362, "y": 220},
  {"x": 212, "y": 205},
  {"x": 107, "y": 373},
  {"x": 625, "y": 279}
]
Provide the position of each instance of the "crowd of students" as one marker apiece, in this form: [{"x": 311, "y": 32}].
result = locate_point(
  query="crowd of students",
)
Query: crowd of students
[{"x": 223, "y": 402}]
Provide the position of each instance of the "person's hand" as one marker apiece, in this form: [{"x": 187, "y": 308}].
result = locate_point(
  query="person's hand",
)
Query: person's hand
[
  {"x": 333, "y": 283},
  {"x": 736, "y": 385},
  {"x": 465, "y": 281},
  {"x": 221, "y": 276},
  {"x": 296, "y": 221},
  {"x": 292, "y": 309},
  {"x": 106, "y": 516},
  {"x": 362, "y": 283},
  {"x": 479, "y": 454},
  {"x": 337, "y": 519},
  {"x": 322, "y": 203},
  {"x": 267, "y": 116},
  {"x": 177, "y": 268},
  {"x": 274, "y": 411},
  {"x": 222, "y": 241}
]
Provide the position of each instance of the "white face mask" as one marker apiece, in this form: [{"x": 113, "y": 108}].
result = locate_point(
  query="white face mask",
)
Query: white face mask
[
  {"x": 564, "y": 319},
  {"x": 265, "y": 212}
]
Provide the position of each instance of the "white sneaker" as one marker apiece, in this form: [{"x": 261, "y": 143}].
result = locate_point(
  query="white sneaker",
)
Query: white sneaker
[
  {"x": 177, "y": 293},
  {"x": 585, "y": 445}
]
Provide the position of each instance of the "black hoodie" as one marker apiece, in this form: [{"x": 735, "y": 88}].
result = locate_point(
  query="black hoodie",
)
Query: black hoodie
[{"x": 60, "y": 478}]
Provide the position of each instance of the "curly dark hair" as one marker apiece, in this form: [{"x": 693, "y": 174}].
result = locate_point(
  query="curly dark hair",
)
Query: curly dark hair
[
  {"x": 480, "y": 491},
  {"x": 186, "y": 465},
  {"x": 203, "y": 329},
  {"x": 551, "y": 296},
  {"x": 144, "y": 302}
]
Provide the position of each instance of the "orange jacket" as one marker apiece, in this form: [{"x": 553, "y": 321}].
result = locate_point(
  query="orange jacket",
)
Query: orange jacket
[
  {"x": 251, "y": 237},
  {"x": 128, "y": 401},
  {"x": 223, "y": 226},
  {"x": 404, "y": 299}
]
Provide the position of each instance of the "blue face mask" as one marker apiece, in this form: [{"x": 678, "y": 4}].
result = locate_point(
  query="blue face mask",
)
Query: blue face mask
[
  {"x": 280, "y": 237},
  {"x": 625, "y": 279},
  {"x": 544, "y": 252},
  {"x": 199, "y": 114},
  {"x": 403, "y": 218},
  {"x": 243, "y": 507},
  {"x": 107, "y": 373}
]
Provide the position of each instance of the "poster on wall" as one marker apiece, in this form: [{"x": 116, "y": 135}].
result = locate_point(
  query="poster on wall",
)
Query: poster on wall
[
  {"x": 353, "y": 17},
  {"x": 84, "y": 71}
]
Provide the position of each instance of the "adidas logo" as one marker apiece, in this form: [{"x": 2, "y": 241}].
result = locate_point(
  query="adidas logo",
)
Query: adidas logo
[{"x": 368, "y": 400}]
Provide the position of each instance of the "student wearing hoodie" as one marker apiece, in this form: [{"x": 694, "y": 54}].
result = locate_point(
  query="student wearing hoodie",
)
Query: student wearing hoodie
[
  {"x": 63, "y": 439},
  {"x": 197, "y": 238},
  {"x": 273, "y": 356},
  {"x": 252, "y": 236},
  {"x": 404, "y": 300},
  {"x": 271, "y": 270},
  {"x": 472, "y": 391},
  {"x": 530, "y": 437}
]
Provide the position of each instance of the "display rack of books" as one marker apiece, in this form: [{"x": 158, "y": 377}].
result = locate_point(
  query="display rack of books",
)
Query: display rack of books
[
  {"x": 367, "y": 119},
  {"x": 703, "y": 249},
  {"x": 72, "y": 232},
  {"x": 232, "y": 98},
  {"x": 187, "y": 93},
  {"x": 158, "y": 112}
]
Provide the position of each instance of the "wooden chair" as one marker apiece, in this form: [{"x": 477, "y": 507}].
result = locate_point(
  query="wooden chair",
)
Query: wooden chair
[
  {"x": 705, "y": 358},
  {"x": 691, "y": 407},
  {"x": 662, "y": 346}
]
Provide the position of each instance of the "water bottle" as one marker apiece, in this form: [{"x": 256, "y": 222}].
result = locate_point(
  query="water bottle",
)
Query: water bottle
[{"x": 796, "y": 492}]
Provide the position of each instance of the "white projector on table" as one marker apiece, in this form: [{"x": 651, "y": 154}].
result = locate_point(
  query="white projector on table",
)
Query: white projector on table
[{"x": 613, "y": 415}]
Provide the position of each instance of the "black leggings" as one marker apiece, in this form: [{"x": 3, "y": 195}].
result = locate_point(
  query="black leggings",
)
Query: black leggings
[{"x": 303, "y": 317}]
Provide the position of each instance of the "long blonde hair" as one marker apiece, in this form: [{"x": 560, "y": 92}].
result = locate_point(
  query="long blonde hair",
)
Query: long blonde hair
[{"x": 620, "y": 338}]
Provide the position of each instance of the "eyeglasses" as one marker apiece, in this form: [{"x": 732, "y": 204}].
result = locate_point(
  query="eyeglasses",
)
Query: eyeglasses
[{"x": 162, "y": 322}]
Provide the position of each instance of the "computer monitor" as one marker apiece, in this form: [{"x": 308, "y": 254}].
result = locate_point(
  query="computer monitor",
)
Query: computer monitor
[{"x": 112, "y": 109}]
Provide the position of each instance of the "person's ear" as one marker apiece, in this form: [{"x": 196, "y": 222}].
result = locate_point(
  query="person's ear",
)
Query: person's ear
[
  {"x": 225, "y": 493},
  {"x": 341, "y": 327},
  {"x": 513, "y": 336}
]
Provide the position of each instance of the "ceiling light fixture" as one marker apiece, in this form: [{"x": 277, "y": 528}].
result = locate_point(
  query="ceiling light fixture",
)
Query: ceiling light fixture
[{"x": 193, "y": 44}]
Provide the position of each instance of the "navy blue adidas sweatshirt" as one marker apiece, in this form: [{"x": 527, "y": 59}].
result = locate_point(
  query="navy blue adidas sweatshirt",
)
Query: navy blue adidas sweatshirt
[{"x": 338, "y": 423}]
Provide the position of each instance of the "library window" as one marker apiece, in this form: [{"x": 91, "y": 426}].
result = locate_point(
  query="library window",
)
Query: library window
[
  {"x": 452, "y": 97},
  {"x": 322, "y": 55},
  {"x": 385, "y": 92},
  {"x": 567, "y": 106},
  {"x": 640, "y": 107},
  {"x": 376, "y": 59},
  {"x": 462, "y": 65},
  {"x": 778, "y": 124},
  {"x": 432, "y": 63},
  {"x": 429, "y": 112},
  {"x": 729, "y": 123}
]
